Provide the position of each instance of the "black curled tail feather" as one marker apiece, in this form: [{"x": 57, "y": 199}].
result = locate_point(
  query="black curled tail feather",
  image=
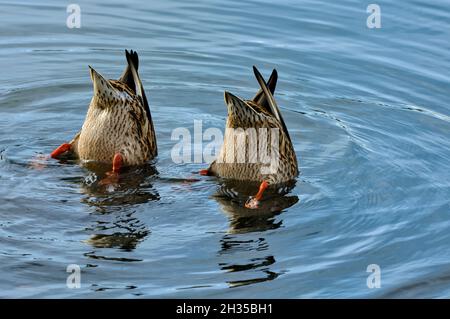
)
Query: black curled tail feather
[
  {"x": 127, "y": 75},
  {"x": 133, "y": 57},
  {"x": 132, "y": 79}
]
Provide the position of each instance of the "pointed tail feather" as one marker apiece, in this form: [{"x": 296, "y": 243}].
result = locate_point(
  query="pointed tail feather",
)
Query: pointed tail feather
[
  {"x": 127, "y": 75},
  {"x": 275, "y": 110},
  {"x": 260, "y": 97},
  {"x": 131, "y": 76}
]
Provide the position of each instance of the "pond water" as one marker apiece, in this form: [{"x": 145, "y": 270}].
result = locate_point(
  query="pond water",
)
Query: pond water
[{"x": 368, "y": 110}]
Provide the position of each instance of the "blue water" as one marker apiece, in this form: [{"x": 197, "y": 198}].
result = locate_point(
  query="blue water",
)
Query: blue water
[{"x": 368, "y": 111}]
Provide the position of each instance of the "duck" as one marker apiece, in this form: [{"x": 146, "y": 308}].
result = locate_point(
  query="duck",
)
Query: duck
[
  {"x": 118, "y": 127},
  {"x": 243, "y": 155}
]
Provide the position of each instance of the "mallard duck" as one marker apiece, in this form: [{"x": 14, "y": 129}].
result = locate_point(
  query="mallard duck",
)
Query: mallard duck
[
  {"x": 242, "y": 154},
  {"x": 118, "y": 127}
]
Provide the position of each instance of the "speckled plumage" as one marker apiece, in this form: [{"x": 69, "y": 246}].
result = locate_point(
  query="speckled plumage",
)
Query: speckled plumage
[
  {"x": 260, "y": 112},
  {"x": 118, "y": 120}
]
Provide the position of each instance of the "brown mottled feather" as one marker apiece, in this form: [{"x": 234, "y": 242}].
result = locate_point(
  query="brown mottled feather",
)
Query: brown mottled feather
[
  {"x": 117, "y": 121},
  {"x": 247, "y": 114}
]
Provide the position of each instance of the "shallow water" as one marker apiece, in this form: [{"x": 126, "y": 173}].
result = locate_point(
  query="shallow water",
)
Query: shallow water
[{"x": 367, "y": 109}]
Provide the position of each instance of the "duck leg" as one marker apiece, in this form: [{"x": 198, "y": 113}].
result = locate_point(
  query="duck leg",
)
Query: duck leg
[
  {"x": 253, "y": 201},
  {"x": 39, "y": 161},
  {"x": 205, "y": 172},
  {"x": 117, "y": 163},
  {"x": 60, "y": 150},
  {"x": 113, "y": 176}
]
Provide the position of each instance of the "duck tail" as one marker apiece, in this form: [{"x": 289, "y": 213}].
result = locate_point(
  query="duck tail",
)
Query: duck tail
[
  {"x": 269, "y": 99},
  {"x": 130, "y": 77},
  {"x": 260, "y": 97},
  {"x": 127, "y": 75}
]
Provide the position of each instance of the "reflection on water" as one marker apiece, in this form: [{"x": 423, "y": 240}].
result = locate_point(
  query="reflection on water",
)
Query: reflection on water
[
  {"x": 134, "y": 187},
  {"x": 116, "y": 226},
  {"x": 244, "y": 220},
  {"x": 245, "y": 244},
  {"x": 232, "y": 195},
  {"x": 250, "y": 259}
]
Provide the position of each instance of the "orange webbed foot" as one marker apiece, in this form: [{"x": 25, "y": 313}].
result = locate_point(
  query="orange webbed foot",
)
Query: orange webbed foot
[
  {"x": 113, "y": 176},
  {"x": 204, "y": 172},
  {"x": 253, "y": 202},
  {"x": 39, "y": 161},
  {"x": 60, "y": 150}
]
